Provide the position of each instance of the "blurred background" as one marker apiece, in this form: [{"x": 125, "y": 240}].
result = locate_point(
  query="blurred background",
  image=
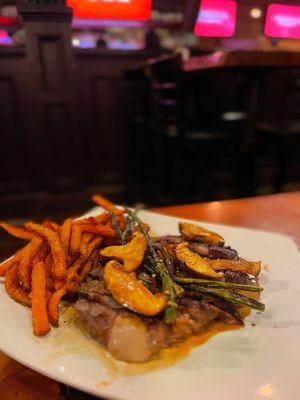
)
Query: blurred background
[{"x": 162, "y": 102}]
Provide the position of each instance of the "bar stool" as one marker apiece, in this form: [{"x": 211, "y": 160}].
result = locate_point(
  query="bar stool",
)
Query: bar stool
[
  {"x": 278, "y": 127},
  {"x": 192, "y": 143}
]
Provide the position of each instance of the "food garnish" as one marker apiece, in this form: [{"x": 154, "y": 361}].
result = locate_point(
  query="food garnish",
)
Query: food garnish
[
  {"x": 128, "y": 291},
  {"x": 195, "y": 263},
  {"x": 127, "y": 284},
  {"x": 131, "y": 254},
  {"x": 199, "y": 234}
]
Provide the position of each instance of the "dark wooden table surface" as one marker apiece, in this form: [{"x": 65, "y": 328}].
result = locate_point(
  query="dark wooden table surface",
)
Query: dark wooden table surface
[{"x": 277, "y": 213}]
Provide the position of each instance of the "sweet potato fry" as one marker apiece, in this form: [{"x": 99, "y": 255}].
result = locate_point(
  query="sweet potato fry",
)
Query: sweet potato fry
[
  {"x": 98, "y": 230},
  {"x": 88, "y": 266},
  {"x": 13, "y": 288},
  {"x": 109, "y": 224},
  {"x": 59, "y": 285},
  {"x": 58, "y": 255},
  {"x": 122, "y": 222},
  {"x": 106, "y": 204},
  {"x": 50, "y": 284},
  {"x": 86, "y": 238},
  {"x": 43, "y": 252},
  {"x": 99, "y": 219},
  {"x": 93, "y": 245},
  {"x": 72, "y": 286},
  {"x": 19, "y": 233},
  {"x": 85, "y": 254},
  {"x": 48, "y": 264},
  {"x": 75, "y": 240},
  {"x": 52, "y": 306},
  {"x": 5, "y": 265},
  {"x": 38, "y": 299},
  {"x": 15, "y": 259},
  {"x": 51, "y": 225},
  {"x": 102, "y": 218},
  {"x": 29, "y": 254},
  {"x": 65, "y": 235},
  {"x": 84, "y": 221}
]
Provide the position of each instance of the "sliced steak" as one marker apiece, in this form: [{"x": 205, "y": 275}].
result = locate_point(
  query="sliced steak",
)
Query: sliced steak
[
  {"x": 226, "y": 312},
  {"x": 97, "y": 292},
  {"x": 134, "y": 338},
  {"x": 123, "y": 333},
  {"x": 129, "y": 339},
  {"x": 97, "y": 318}
]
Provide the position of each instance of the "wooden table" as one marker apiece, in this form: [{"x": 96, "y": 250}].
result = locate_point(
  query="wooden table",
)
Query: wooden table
[
  {"x": 277, "y": 213},
  {"x": 243, "y": 58}
]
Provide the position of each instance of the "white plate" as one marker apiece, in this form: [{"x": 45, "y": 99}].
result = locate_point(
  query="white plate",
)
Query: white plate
[{"x": 256, "y": 362}]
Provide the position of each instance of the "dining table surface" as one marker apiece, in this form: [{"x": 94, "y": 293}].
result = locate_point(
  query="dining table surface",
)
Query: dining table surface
[
  {"x": 278, "y": 213},
  {"x": 243, "y": 59}
]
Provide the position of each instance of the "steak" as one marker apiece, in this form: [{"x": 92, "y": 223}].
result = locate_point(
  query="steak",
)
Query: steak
[{"x": 135, "y": 339}]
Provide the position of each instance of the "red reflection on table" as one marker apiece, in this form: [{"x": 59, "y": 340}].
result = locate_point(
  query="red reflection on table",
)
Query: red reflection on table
[
  {"x": 283, "y": 21},
  {"x": 216, "y": 18},
  {"x": 135, "y": 10}
]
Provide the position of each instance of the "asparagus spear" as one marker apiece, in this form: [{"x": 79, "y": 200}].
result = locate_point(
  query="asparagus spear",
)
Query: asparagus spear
[
  {"x": 218, "y": 284},
  {"x": 169, "y": 286},
  {"x": 116, "y": 227},
  {"x": 128, "y": 230},
  {"x": 233, "y": 297}
]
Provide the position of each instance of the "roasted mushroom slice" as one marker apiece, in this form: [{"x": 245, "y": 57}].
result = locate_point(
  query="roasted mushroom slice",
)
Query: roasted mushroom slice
[
  {"x": 199, "y": 248},
  {"x": 131, "y": 254},
  {"x": 192, "y": 232},
  {"x": 195, "y": 263},
  {"x": 128, "y": 291},
  {"x": 252, "y": 268}
]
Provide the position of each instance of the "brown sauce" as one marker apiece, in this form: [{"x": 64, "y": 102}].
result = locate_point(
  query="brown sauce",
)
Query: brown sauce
[{"x": 72, "y": 338}]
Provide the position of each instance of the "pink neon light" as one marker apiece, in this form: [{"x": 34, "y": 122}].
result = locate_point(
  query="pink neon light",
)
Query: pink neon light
[
  {"x": 216, "y": 18},
  {"x": 283, "y": 21},
  {"x": 4, "y": 38}
]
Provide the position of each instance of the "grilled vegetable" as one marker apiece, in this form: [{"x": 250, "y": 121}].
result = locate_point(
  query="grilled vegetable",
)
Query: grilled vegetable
[
  {"x": 128, "y": 291},
  {"x": 222, "y": 252},
  {"x": 192, "y": 232},
  {"x": 116, "y": 227},
  {"x": 217, "y": 284},
  {"x": 195, "y": 263},
  {"x": 236, "y": 298},
  {"x": 131, "y": 254},
  {"x": 199, "y": 248},
  {"x": 252, "y": 268},
  {"x": 169, "y": 286}
]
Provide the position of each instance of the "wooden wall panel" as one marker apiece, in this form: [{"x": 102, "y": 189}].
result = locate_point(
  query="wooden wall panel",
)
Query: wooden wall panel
[
  {"x": 63, "y": 119},
  {"x": 60, "y": 144},
  {"x": 103, "y": 112},
  {"x": 109, "y": 141},
  {"x": 53, "y": 70},
  {"x": 13, "y": 154}
]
